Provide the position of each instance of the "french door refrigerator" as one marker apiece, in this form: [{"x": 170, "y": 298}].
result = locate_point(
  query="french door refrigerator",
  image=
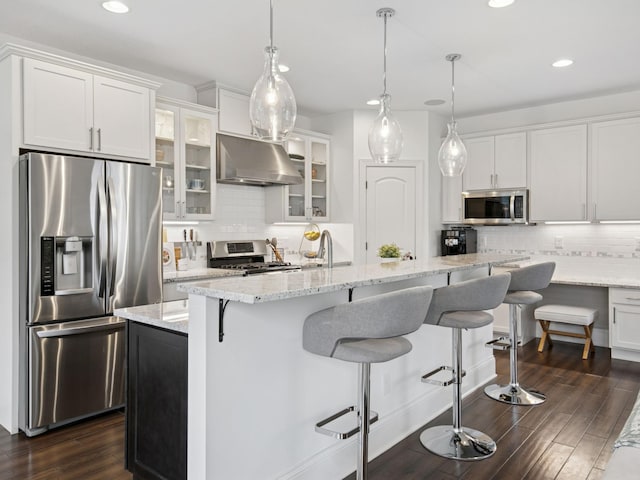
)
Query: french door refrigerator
[{"x": 90, "y": 239}]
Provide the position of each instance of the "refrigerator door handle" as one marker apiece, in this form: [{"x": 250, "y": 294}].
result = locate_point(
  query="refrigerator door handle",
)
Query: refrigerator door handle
[
  {"x": 113, "y": 235},
  {"x": 101, "y": 232},
  {"x": 64, "y": 332}
]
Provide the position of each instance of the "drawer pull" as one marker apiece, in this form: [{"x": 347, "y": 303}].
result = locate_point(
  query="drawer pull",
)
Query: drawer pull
[{"x": 633, "y": 299}]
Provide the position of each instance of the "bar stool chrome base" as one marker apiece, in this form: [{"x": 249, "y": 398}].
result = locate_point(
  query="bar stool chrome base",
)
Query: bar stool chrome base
[
  {"x": 468, "y": 444},
  {"x": 515, "y": 394}
]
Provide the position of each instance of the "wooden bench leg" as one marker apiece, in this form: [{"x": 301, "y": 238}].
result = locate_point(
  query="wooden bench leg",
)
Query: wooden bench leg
[
  {"x": 588, "y": 343},
  {"x": 545, "y": 335}
]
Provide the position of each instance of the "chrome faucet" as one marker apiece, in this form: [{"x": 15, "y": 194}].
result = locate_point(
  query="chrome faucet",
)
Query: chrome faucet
[{"x": 329, "y": 260}]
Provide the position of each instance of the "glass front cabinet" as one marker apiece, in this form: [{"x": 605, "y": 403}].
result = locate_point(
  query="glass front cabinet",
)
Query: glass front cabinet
[
  {"x": 308, "y": 200},
  {"x": 185, "y": 149}
]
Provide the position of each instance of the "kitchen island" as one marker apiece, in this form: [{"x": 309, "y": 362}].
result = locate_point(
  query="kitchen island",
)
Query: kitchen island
[{"x": 254, "y": 395}]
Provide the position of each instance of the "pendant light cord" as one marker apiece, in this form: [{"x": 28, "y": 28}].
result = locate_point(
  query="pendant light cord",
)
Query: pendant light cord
[
  {"x": 384, "y": 74},
  {"x": 453, "y": 89},
  {"x": 271, "y": 25}
]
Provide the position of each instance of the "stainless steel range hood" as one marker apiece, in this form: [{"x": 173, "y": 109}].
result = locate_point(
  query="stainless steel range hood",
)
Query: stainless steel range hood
[{"x": 243, "y": 161}]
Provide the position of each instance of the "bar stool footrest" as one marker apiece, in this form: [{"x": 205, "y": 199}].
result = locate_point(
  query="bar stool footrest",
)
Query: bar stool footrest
[
  {"x": 342, "y": 435},
  {"x": 443, "y": 383},
  {"x": 499, "y": 343}
]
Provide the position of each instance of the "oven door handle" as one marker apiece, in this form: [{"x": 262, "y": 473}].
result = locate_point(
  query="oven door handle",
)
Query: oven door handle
[{"x": 113, "y": 326}]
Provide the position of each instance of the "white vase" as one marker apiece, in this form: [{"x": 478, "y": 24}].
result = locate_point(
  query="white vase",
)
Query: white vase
[{"x": 389, "y": 260}]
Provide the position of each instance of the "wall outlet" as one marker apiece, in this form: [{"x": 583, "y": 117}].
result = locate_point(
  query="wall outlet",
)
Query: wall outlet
[{"x": 557, "y": 242}]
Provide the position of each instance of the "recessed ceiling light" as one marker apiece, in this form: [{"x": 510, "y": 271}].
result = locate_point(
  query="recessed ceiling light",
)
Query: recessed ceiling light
[
  {"x": 500, "y": 3},
  {"x": 563, "y": 62},
  {"x": 373, "y": 101},
  {"x": 283, "y": 68},
  {"x": 114, "y": 6},
  {"x": 434, "y": 102}
]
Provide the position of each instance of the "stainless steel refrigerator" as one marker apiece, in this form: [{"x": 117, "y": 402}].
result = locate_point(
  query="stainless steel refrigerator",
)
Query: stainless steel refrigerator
[{"x": 90, "y": 239}]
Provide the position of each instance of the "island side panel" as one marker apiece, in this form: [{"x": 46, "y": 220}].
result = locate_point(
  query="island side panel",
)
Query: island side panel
[{"x": 254, "y": 398}]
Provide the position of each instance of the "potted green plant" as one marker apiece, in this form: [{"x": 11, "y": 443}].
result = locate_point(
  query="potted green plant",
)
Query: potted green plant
[{"x": 389, "y": 252}]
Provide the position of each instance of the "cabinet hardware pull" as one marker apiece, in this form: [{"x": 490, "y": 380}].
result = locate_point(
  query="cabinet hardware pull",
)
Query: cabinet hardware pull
[
  {"x": 91, "y": 138},
  {"x": 184, "y": 209},
  {"x": 99, "y": 139},
  {"x": 491, "y": 180},
  {"x": 496, "y": 180},
  {"x": 633, "y": 299},
  {"x": 595, "y": 215},
  {"x": 614, "y": 314}
]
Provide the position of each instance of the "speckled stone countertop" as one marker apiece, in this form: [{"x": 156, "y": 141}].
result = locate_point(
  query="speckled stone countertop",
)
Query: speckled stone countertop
[
  {"x": 169, "y": 315},
  {"x": 283, "y": 285},
  {"x": 590, "y": 271},
  {"x": 198, "y": 274}
]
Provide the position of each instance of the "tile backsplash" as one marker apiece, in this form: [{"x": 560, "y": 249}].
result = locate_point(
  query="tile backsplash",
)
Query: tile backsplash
[{"x": 594, "y": 240}]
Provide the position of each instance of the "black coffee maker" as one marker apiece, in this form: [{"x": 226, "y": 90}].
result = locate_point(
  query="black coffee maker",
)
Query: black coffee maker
[{"x": 459, "y": 240}]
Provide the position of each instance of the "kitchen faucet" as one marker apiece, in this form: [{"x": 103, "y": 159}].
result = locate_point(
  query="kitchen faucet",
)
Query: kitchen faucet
[{"x": 326, "y": 235}]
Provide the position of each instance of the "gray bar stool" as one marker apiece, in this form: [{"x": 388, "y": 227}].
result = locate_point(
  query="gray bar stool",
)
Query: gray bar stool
[
  {"x": 461, "y": 306},
  {"x": 365, "y": 331},
  {"x": 523, "y": 281}
]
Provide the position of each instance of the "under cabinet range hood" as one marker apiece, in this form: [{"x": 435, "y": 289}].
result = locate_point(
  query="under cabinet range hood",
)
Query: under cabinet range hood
[{"x": 243, "y": 161}]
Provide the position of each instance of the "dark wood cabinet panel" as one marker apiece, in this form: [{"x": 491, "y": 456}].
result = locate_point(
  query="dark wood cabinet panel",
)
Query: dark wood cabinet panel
[{"x": 156, "y": 444}]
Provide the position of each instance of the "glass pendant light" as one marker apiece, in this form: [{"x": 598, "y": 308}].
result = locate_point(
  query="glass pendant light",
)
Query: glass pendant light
[
  {"x": 272, "y": 108},
  {"x": 385, "y": 135},
  {"x": 452, "y": 157}
]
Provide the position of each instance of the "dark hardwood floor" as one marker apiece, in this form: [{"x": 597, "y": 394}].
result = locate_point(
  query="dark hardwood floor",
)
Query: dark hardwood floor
[{"x": 568, "y": 437}]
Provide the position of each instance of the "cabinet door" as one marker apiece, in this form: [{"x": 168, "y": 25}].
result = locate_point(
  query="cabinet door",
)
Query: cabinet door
[
  {"x": 478, "y": 174},
  {"x": 156, "y": 411},
  {"x": 121, "y": 118},
  {"x": 558, "y": 174},
  {"x": 510, "y": 161},
  {"x": 452, "y": 199},
  {"x": 198, "y": 166},
  {"x": 318, "y": 166},
  {"x": 58, "y": 106},
  {"x": 233, "y": 113},
  {"x": 615, "y": 170},
  {"x": 168, "y": 157}
]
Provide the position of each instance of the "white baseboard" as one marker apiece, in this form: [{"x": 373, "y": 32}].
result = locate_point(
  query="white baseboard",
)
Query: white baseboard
[{"x": 339, "y": 460}]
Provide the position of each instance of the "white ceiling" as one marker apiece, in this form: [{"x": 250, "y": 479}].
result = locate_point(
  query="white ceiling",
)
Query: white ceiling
[{"x": 334, "y": 47}]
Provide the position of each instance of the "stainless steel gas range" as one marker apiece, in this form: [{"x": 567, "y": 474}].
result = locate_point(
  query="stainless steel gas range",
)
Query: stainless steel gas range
[{"x": 248, "y": 256}]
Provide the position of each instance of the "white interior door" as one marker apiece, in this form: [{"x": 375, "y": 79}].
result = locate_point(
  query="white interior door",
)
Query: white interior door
[{"x": 390, "y": 208}]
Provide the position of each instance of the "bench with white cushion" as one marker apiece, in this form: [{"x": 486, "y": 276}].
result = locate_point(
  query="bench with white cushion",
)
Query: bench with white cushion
[{"x": 570, "y": 315}]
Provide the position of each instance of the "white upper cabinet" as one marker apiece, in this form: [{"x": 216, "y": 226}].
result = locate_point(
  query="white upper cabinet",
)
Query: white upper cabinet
[
  {"x": 309, "y": 200},
  {"x": 185, "y": 149},
  {"x": 452, "y": 199},
  {"x": 233, "y": 114},
  {"x": 496, "y": 162},
  {"x": 66, "y": 108},
  {"x": 558, "y": 174},
  {"x": 478, "y": 174},
  {"x": 615, "y": 170}
]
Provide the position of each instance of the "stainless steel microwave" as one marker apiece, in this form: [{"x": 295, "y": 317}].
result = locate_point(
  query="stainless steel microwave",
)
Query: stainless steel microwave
[{"x": 495, "y": 207}]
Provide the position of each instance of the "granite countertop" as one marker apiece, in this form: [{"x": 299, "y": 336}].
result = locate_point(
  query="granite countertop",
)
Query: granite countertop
[
  {"x": 590, "y": 271},
  {"x": 283, "y": 285},
  {"x": 169, "y": 315},
  {"x": 198, "y": 274}
]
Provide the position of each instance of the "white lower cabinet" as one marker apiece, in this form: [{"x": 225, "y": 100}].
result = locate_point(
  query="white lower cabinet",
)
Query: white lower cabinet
[{"x": 624, "y": 323}]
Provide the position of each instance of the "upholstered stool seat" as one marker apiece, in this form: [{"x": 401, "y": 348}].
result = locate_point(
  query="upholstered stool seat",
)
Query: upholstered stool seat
[
  {"x": 521, "y": 292},
  {"x": 365, "y": 331},
  {"x": 458, "y": 307},
  {"x": 567, "y": 314}
]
